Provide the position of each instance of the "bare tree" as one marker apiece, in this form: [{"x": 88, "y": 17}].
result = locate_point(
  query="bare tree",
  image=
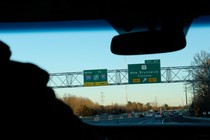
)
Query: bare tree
[{"x": 201, "y": 82}]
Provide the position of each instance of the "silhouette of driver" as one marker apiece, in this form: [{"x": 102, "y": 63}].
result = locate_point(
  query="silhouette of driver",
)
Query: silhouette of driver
[{"x": 29, "y": 108}]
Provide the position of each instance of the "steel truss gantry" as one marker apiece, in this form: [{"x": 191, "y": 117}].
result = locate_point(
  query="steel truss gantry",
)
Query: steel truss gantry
[{"x": 120, "y": 77}]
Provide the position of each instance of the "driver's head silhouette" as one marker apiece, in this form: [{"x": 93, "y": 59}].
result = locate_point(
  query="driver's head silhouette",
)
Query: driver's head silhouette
[
  {"x": 29, "y": 106},
  {"x": 5, "y": 52}
]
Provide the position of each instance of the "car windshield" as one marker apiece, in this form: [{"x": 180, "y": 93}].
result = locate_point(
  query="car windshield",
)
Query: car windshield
[{"x": 103, "y": 88}]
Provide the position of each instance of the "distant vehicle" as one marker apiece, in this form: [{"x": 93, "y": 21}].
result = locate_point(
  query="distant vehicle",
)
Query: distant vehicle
[
  {"x": 180, "y": 114},
  {"x": 141, "y": 115},
  {"x": 150, "y": 114},
  {"x": 158, "y": 115}
]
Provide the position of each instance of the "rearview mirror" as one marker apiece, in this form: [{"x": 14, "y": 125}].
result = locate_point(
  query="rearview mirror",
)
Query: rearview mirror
[{"x": 148, "y": 42}]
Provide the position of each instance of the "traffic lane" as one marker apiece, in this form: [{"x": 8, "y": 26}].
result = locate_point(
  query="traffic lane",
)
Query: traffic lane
[{"x": 125, "y": 121}]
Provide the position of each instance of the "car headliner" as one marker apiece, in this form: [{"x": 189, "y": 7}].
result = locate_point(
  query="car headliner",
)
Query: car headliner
[
  {"x": 124, "y": 16},
  {"x": 114, "y": 11}
]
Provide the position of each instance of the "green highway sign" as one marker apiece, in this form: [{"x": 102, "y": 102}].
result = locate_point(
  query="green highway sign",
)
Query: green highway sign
[
  {"x": 95, "y": 77},
  {"x": 155, "y": 61},
  {"x": 149, "y": 72}
]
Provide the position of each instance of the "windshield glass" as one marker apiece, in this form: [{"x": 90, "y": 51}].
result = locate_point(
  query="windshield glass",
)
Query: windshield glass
[{"x": 107, "y": 89}]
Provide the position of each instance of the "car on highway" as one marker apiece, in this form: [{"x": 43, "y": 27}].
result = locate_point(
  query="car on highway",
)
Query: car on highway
[
  {"x": 141, "y": 115},
  {"x": 158, "y": 115},
  {"x": 102, "y": 62}
]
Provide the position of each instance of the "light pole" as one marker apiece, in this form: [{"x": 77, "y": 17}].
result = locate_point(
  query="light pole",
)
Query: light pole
[{"x": 186, "y": 97}]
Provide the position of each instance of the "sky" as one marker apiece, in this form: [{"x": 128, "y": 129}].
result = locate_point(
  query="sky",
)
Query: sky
[{"x": 69, "y": 50}]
